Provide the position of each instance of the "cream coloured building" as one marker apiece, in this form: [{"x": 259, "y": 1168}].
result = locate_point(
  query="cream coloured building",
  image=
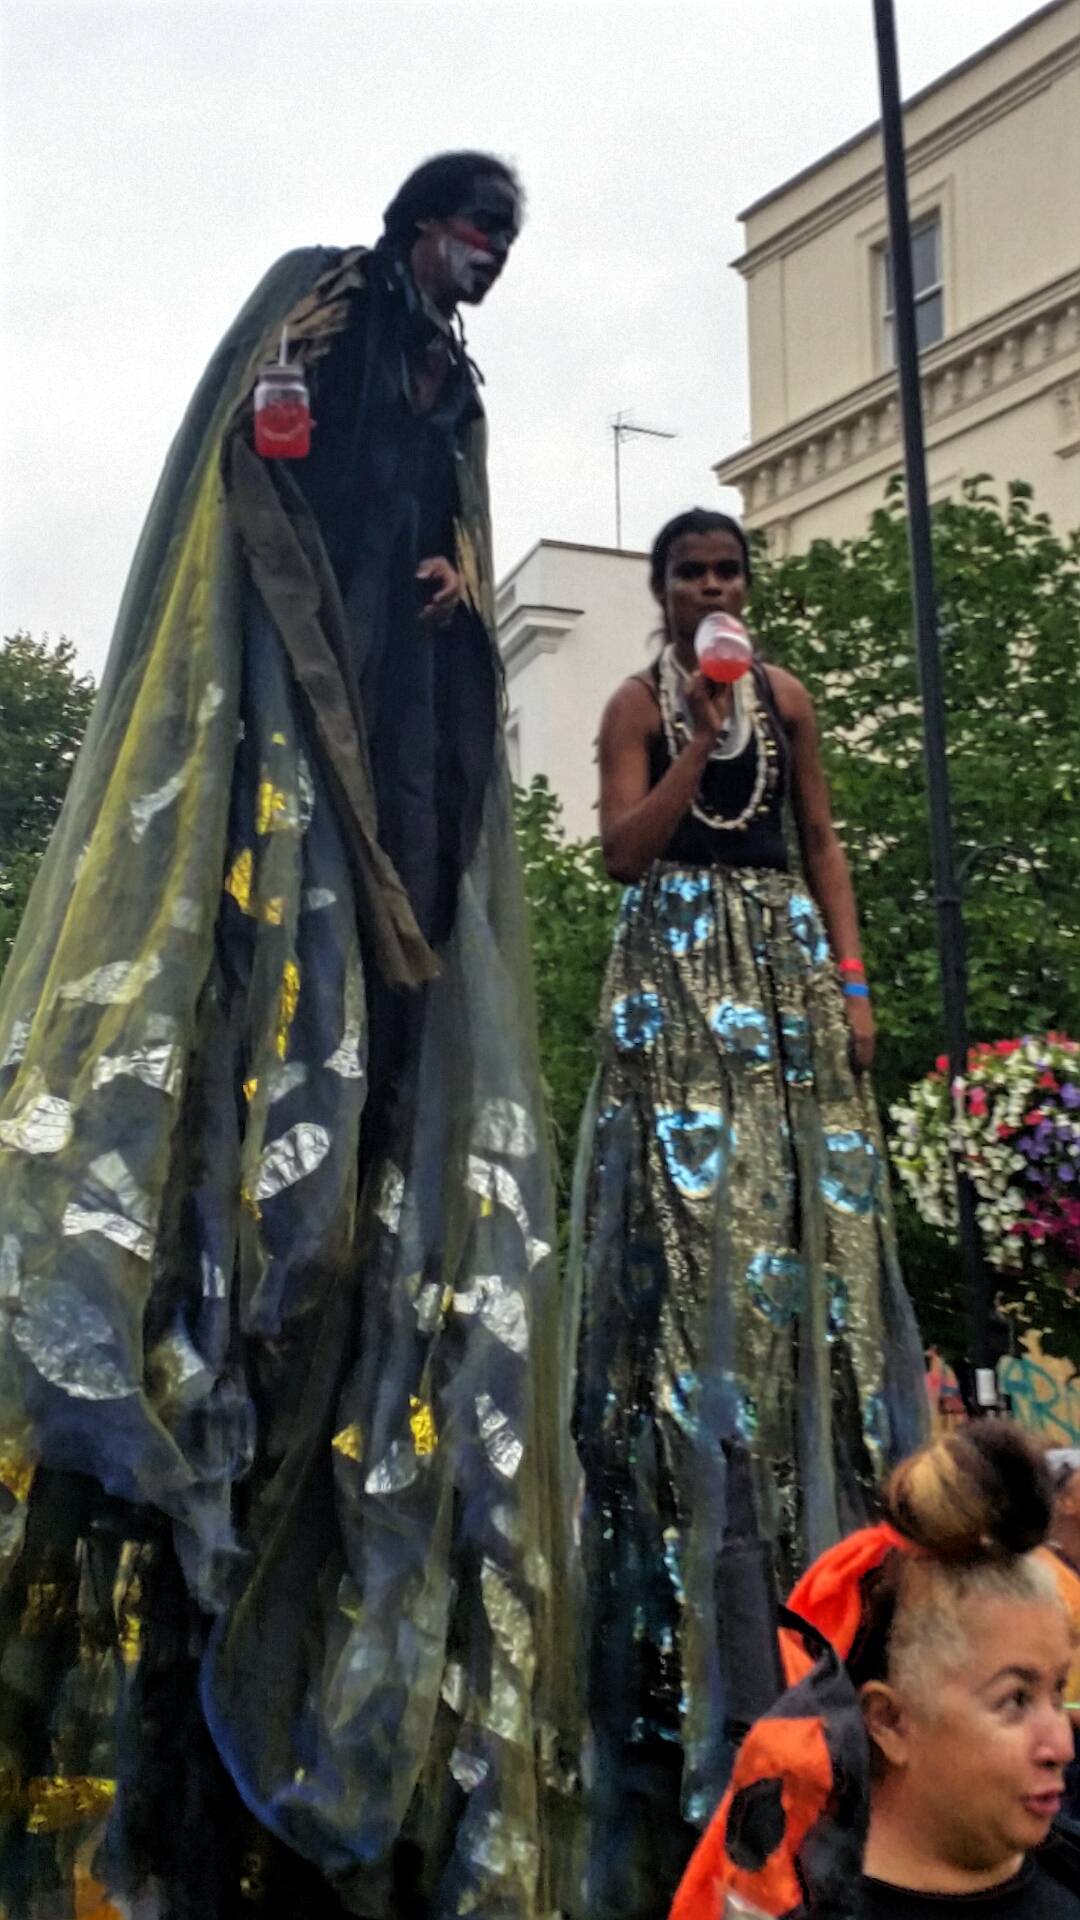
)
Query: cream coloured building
[
  {"x": 993, "y": 153},
  {"x": 573, "y": 622}
]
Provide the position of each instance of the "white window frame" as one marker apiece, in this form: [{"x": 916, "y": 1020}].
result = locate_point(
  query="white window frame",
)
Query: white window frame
[{"x": 931, "y": 218}]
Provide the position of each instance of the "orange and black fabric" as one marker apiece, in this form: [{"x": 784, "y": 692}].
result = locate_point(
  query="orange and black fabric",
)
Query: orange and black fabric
[
  {"x": 830, "y": 1595},
  {"x": 788, "y": 1836}
]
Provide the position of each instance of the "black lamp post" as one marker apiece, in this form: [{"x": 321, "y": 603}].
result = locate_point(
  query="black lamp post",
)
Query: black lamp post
[{"x": 947, "y": 892}]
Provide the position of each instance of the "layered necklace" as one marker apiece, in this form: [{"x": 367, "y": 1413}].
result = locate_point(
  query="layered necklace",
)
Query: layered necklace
[{"x": 747, "y": 721}]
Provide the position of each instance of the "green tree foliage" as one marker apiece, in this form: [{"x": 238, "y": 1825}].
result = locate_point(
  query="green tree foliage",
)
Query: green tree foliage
[
  {"x": 573, "y": 905},
  {"x": 1009, "y": 594},
  {"x": 44, "y": 707}
]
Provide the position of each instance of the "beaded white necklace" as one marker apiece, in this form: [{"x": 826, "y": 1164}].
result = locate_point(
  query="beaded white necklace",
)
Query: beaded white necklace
[{"x": 746, "y": 719}]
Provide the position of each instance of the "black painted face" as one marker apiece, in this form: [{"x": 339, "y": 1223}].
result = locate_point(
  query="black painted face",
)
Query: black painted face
[{"x": 493, "y": 213}]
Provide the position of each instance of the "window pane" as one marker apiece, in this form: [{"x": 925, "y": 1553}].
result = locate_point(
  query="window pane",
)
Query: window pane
[
  {"x": 928, "y": 320},
  {"x": 886, "y": 280},
  {"x": 888, "y": 351},
  {"x": 924, "y": 256}
]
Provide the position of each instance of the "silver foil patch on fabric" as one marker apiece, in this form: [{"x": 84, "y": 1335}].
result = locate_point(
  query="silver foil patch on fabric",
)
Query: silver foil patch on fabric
[
  {"x": 176, "y": 1373},
  {"x": 345, "y": 1059},
  {"x": 468, "y": 1769},
  {"x": 16, "y": 1042},
  {"x": 315, "y": 898},
  {"x": 185, "y": 914},
  {"x": 305, "y": 787},
  {"x": 10, "y": 1268},
  {"x": 157, "y": 1066},
  {"x": 285, "y": 1079},
  {"x": 428, "y": 1306},
  {"x": 112, "y": 1226},
  {"x": 503, "y": 1126},
  {"x": 212, "y": 697},
  {"x": 391, "y": 1195},
  {"x": 291, "y": 1158},
  {"x": 453, "y": 1688},
  {"x": 129, "y": 1224},
  {"x": 116, "y": 984},
  {"x": 501, "y": 1443},
  {"x": 42, "y": 1123},
  {"x": 492, "y": 1182},
  {"x": 72, "y": 1344},
  {"x": 504, "y": 1850},
  {"x": 501, "y": 1309},
  {"x": 213, "y": 1279},
  {"x": 397, "y": 1469},
  {"x": 148, "y": 805},
  {"x": 508, "y": 1618},
  {"x": 508, "y": 1707}
]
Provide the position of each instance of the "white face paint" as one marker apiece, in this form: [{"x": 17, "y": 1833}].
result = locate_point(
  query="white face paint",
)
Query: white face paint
[{"x": 463, "y": 262}]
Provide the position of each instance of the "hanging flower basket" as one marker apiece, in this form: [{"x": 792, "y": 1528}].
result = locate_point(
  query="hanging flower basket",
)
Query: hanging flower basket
[{"x": 1014, "y": 1120}]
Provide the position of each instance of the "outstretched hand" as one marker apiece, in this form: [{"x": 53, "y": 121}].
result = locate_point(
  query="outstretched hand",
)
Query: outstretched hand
[{"x": 439, "y": 610}]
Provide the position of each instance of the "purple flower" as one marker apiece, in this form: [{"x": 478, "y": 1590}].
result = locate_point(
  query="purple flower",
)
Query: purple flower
[
  {"x": 1065, "y": 1172},
  {"x": 1070, "y": 1095},
  {"x": 1024, "y": 1144}
]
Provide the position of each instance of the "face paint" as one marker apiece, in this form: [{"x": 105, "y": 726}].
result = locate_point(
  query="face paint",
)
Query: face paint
[{"x": 464, "y": 263}]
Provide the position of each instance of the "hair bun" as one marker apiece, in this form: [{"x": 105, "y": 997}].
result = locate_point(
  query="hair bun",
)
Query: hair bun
[{"x": 980, "y": 1494}]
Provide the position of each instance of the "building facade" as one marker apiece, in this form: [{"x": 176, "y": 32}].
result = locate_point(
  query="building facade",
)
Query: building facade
[
  {"x": 993, "y": 152},
  {"x": 573, "y": 622}
]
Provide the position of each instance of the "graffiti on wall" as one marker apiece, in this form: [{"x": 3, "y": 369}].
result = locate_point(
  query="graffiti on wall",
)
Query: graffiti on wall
[{"x": 1044, "y": 1393}]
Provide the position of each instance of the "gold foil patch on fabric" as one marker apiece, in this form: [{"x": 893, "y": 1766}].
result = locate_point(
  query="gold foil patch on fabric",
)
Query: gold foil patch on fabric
[
  {"x": 16, "y": 1474},
  {"x": 117, "y": 984},
  {"x": 127, "y": 1598},
  {"x": 422, "y": 1427},
  {"x": 287, "y": 1002},
  {"x": 239, "y": 877},
  {"x": 272, "y": 912},
  {"x": 350, "y": 1441},
  {"x": 65, "y": 1800},
  {"x": 275, "y": 810},
  {"x": 47, "y": 1602},
  {"x": 251, "y": 1087}
]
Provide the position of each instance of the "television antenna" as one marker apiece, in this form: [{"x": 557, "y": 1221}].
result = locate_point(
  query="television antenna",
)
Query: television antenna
[{"x": 621, "y": 429}]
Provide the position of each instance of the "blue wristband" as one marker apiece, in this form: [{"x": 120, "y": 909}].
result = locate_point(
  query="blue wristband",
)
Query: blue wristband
[{"x": 854, "y": 990}]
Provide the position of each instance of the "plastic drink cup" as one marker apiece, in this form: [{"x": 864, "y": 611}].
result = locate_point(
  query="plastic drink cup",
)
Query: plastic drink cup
[
  {"x": 282, "y": 414},
  {"x": 723, "y": 648}
]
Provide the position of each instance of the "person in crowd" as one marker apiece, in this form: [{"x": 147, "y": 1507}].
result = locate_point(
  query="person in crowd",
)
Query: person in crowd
[
  {"x": 930, "y": 1778},
  {"x": 285, "y": 1502},
  {"x": 749, "y": 1367}
]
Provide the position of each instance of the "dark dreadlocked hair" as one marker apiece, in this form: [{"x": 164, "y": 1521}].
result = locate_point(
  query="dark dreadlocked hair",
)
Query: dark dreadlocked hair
[
  {"x": 696, "y": 520},
  {"x": 439, "y": 187}
]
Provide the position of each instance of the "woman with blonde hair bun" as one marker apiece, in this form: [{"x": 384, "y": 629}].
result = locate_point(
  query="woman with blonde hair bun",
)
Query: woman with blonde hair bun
[{"x": 915, "y": 1767}]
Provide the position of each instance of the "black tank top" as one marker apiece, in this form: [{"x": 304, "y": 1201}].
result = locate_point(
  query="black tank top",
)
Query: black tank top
[{"x": 724, "y": 791}]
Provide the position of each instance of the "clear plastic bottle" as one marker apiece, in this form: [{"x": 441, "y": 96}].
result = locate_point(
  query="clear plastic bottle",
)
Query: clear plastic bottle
[
  {"x": 723, "y": 647},
  {"x": 282, "y": 412}
]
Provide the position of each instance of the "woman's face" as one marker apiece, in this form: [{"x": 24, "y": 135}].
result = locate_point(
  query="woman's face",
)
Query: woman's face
[
  {"x": 982, "y": 1747},
  {"x": 704, "y": 575}
]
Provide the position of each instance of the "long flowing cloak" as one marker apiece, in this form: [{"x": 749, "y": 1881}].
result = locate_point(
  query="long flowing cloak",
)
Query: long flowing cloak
[{"x": 327, "y": 1385}]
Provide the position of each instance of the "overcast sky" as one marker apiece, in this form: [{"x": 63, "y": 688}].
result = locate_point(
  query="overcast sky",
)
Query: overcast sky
[{"x": 159, "y": 154}]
